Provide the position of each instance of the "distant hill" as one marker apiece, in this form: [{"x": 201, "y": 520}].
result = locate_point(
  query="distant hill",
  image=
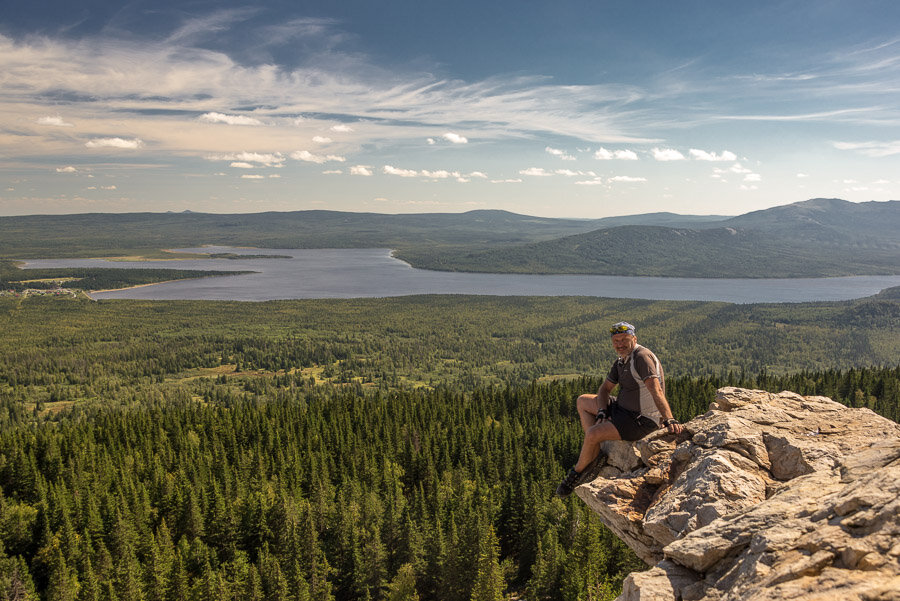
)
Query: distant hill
[
  {"x": 106, "y": 234},
  {"x": 664, "y": 219},
  {"x": 815, "y": 238},
  {"x": 820, "y": 215}
]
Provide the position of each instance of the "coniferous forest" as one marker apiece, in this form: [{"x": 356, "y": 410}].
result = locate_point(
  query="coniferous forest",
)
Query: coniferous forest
[{"x": 368, "y": 449}]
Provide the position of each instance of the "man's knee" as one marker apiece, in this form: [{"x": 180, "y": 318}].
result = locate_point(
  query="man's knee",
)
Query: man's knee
[
  {"x": 588, "y": 402},
  {"x": 601, "y": 432}
]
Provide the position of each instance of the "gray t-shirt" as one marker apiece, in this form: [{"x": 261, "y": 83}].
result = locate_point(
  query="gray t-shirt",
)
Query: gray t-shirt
[{"x": 630, "y": 374}]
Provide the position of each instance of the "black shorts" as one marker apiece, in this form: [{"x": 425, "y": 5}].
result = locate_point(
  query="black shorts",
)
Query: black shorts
[{"x": 631, "y": 425}]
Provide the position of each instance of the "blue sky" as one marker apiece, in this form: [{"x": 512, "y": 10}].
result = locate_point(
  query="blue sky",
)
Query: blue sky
[{"x": 563, "y": 109}]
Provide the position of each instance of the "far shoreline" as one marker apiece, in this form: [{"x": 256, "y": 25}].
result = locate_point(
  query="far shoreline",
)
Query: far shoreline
[{"x": 88, "y": 293}]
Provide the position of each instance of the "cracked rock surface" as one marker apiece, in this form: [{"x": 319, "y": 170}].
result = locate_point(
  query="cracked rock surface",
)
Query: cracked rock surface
[{"x": 766, "y": 496}]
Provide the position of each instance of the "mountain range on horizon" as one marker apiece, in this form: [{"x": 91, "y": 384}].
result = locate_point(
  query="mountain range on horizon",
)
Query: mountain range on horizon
[{"x": 813, "y": 238}]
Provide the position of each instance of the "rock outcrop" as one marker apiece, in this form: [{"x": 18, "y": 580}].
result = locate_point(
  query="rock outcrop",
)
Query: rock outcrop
[{"x": 766, "y": 496}]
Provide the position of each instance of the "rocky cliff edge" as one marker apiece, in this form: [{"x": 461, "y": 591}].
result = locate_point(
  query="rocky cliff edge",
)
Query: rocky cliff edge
[{"x": 764, "y": 497}]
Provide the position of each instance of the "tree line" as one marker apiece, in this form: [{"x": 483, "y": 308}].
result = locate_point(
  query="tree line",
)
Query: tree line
[{"x": 51, "y": 344}]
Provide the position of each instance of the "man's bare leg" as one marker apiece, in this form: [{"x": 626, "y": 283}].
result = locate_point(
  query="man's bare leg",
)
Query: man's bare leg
[
  {"x": 588, "y": 405},
  {"x": 593, "y": 438}
]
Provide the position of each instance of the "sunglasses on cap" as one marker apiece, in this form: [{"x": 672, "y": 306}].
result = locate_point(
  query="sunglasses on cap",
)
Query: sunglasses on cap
[{"x": 620, "y": 328}]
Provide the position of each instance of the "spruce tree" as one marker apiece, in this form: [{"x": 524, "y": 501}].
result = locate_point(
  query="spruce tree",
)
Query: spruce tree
[
  {"x": 403, "y": 585},
  {"x": 489, "y": 584}
]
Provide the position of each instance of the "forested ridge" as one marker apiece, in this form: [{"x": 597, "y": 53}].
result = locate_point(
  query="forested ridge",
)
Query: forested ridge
[
  {"x": 367, "y": 449},
  {"x": 678, "y": 252},
  {"x": 814, "y": 238}
]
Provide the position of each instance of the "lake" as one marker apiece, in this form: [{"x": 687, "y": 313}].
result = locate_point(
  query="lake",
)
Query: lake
[{"x": 357, "y": 273}]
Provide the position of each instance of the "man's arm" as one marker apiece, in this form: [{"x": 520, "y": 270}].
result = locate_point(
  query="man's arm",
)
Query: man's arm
[
  {"x": 659, "y": 397},
  {"x": 603, "y": 393}
]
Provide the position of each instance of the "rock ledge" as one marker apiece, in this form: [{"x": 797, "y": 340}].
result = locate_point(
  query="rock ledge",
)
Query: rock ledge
[{"x": 766, "y": 496}]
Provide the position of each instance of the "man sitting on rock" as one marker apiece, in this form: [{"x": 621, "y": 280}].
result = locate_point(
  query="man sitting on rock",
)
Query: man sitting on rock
[{"x": 641, "y": 406}]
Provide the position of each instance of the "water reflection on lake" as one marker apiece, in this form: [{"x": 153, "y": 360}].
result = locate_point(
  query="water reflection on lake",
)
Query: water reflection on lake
[{"x": 356, "y": 273}]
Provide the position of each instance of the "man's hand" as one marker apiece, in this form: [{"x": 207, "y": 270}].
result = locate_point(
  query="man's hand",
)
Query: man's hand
[{"x": 673, "y": 425}]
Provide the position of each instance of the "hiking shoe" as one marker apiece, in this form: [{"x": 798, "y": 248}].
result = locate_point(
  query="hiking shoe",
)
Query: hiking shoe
[
  {"x": 590, "y": 473},
  {"x": 568, "y": 484}
]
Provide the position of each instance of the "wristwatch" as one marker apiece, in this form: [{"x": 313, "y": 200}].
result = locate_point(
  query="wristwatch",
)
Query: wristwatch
[{"x": 670, "y": 421}]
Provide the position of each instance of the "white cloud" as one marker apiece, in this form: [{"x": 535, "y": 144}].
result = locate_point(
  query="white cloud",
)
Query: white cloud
[
  {"x": 341, "y": 128},
  {"x": 67, "y": 169},
  {"x": 440, "y": 174},
  {"x": 627, "y": 178},
  {"x": 570, "y": 173},
  {"x": 305, "y": 155},
  {"x": 114, "y": 143},
  {"x": 836, "y": 115},
  {"x": 455, "y": 138},
  {"x": 559, "y": 153},
  {"x": 516, "y": 180},
  {"x": 364, "y": 170},
  {"x": 667, "y": 154},
  {"x": 881, "y": 182},
  {"x": 274, "y": 176},
  {"x": 590, "y": 182},
  {"x": 431, "y": 141},
  {"x": 752, "y": 177},
  {"x": 738, "y": 168},
  {"x": 603, "y": 154},
  {"x": 55, "y": 121},
  {"x": 391, "y": 170},
  {"x": 436, "y": 174},
  {"x": 242, "y": 165},
  {"x": 253, "y": 176},
  {"x": 228, "y": 119},
  {"x": 535, "y": 171},
  {"x": 332, "y": 172},
  {"x": 871, "y": 149},
  {"x": 802, "y": 175},
  {"x": 321, "y": 140},
  {"x": 267, "y": 159},
  {"x": 702, "y": 155}
]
